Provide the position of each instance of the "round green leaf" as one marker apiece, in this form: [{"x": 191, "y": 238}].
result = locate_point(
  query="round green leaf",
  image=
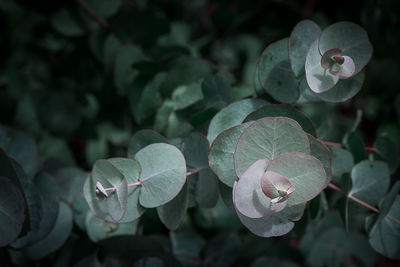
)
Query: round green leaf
[
  {"x": 300, "y": 40},
  {"x": 64, "y": 22},
  {"x": 12, "y": 211},
  {"x": 248, "y": 196},
  {"x": 195, "y": 149},
  {"x": 319, "y": 79},
  {"x": 105, "y": 9},
  {"x": 142, "y": 139},
  {"x": 351, "y": 39},
  {"x": 131, "y": 171},
  {"x": 344, "y": 89},
  {"x": 305, "y": 172},
  {"x": 342, "y": 161},
  {"x": 277, "y": 224},
  {"x": 232, "y": 115},
  {"x": 281, "y": 110},
  {"x": 268, "y": 138},
  {"x": 57, "y": 236},
  {"x": 98, "y": 229},
  {"x": 275, "y": 74},
  {"x": 173, "y": 213},
  {"x": 203, "y": 189},
  {"x": 370, "y": 181},
  {"x": 163, "y": 174},
  {"x": 221, "y": 153}
]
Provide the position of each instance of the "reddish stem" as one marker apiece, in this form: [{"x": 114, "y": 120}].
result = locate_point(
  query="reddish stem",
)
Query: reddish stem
[
  {"x": 359, "y": 201},
  {"x": 368, "y": 148}
]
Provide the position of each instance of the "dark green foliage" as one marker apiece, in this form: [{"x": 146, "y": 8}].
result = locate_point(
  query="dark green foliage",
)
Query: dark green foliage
[{"x": 198, "y": 133}]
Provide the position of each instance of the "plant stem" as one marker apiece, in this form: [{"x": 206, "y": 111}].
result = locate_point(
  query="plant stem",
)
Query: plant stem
[
  {"x": 359, "y": 201},
  {"x": 92, "y": 13},
  {"x": 368, "y": 148},
  {"x": 193, "y": 171}
]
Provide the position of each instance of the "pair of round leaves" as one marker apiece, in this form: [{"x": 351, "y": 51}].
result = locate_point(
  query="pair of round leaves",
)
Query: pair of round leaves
[
  {"x": 275, "y": 169},
  {"x": 119, "y": 189},
  {"x": 341, "y": 51}
]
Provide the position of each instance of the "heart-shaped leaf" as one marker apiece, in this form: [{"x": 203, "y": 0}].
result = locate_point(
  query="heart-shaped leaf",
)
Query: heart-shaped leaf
[
  {"x": 300, "y": 40},
  {"x": 268, "y": 138},
  {"x": 163, "y": 174},
  {"x": 351, "y": 39},
  {"x": 232, "y": 115}
]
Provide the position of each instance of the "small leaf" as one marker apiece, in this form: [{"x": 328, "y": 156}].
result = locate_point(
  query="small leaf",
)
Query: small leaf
[
  {"x": 354, "y": 142},
  {"x": 248, "y": 196},
  {"x": 323, "y": 154},
  {"x": 386, "y": 150},
  {"x": 131, "y": 171},
  {"x": 342, "y": 161},
  {"x": 370, "y": 181},
  {"x": 173, "y": 213},
  {"x": 12, "y": 211},
  {"x": 232, "y": 115},
  {"x": 268, "y": 138},
  {"x": 275, "y": 186},
  {"x": 163, "y": 174},
  {"x": 319, "y": 79},
  {"x": 101, "y": 193},
  {"x": 300, "y": 40},
  {"x": 351, "y": 39}
]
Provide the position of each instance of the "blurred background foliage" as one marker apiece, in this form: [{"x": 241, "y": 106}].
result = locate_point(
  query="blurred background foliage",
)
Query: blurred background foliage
[{"x": 80, "y": 77}]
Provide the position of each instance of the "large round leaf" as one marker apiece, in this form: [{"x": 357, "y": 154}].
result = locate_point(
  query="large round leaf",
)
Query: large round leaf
[
  {"x": 319, "y": 79},
  {"x": 268, "y": 138},
  {"x": 221, "y": 153},
  {"x": 281, "y": 110},
  {"x": 351, "y": 39},
  {"x": 300, "y": 40},
  {"x": 344, "y": 89},
  {"x": 232, "y": 115},
  {"x": 163, "y": 174},
  {"x": 12, "y": 211},
  {"x": 131, "y": 171},
  {"x": 273, "y": 225},
  {"x": 305, "y": 172},
  {"x": 248, "y": 197},
  {"x": 275, "y": 74},
  {"x": 370, "y": 181}
]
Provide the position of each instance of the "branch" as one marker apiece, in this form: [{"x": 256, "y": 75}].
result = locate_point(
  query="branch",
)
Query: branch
[
  {"x": 359, "y": 201},
  {"x": 92, "y": 13},
  {"x": 368, "y": 148}
]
